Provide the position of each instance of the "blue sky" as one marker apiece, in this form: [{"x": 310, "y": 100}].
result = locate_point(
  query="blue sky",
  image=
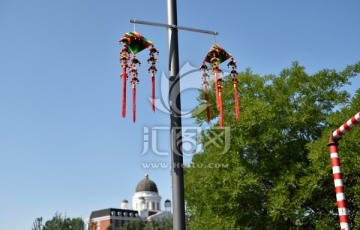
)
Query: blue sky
[{"x": 63, "y": 143}]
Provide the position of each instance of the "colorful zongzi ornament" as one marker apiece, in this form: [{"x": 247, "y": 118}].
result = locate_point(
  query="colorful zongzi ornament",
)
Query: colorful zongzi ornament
[
  {"x": 215, "y": 57},
  {"x": 134, "y": 43}
]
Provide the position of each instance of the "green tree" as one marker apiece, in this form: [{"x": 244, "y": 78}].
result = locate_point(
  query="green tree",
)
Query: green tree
[
  {"x": 77, "y": 223},
  {"x": 37, "y": 225},
  {"x": 58, "y": 222},
  {"x": 134, "y": 225},
  {"x": 260, "y": 181},
  {"x": 164, "y": 224},
  {"x": 317, "y": 195}
]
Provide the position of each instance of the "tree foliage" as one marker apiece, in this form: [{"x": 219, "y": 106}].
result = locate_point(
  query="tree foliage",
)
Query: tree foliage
[
  {"x": 276, "y": 173},
  {"x": 134, "y": 225},
  {"x": 59, "y": 222},
  {"x": 110, "y": 227},
  {"x": 37, "y": 225},
  {"x": 165, "y": 224}
]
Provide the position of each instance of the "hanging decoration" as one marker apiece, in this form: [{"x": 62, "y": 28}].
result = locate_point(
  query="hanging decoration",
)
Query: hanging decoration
[
  {"x": 153, "y": 70},
  {"x": 215, "y": 57},
  {"x": 234, "y": 80},
  {"x": 134, "y": 43},
  {"x": 205, "y": 84}
]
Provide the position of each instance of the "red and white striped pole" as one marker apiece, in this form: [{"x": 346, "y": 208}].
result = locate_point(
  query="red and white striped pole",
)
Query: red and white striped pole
[
  {"x": 346, "y": 126},
  {"x": 335, "y": 162}
]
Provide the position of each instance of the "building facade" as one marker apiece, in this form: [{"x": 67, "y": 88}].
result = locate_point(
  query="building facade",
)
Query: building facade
[{"x": 146, "y": 206}]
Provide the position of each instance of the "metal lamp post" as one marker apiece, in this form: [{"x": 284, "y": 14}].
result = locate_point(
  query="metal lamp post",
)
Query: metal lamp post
[
  {"x": 177, "y": 173},
  {"x": 175, "y": 110}
]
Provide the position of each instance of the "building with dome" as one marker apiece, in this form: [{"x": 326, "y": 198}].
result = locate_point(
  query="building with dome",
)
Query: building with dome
[
  {"x": 146, "y": 206},
  {"x": 146, "y": 197}
]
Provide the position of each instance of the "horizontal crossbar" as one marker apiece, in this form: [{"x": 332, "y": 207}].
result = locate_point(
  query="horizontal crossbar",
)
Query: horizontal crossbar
[{"x": 173, "y": 27}]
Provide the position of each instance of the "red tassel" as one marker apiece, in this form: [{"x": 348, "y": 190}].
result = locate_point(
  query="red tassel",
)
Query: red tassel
[
  {"x": 153, "y": 91},
  {"x": 207, "y": 104},
  {"x": 236, "y": 100},
  {"x": 217, "y": 90},
  {"x": 220, "y": 110},
  {"x": 134, "y": 102},
  {"x": 124, "y": 76}
]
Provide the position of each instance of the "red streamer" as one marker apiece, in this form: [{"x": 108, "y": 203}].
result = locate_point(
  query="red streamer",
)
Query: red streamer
[
  {"x": 217, "y": 90},
  {"x": 236, "y": 100},
  {"x": 134, "y": 102},
  {"x": 153, "y": 91},
  {"x": 220, "y": 109},
  {"x": 124, "y": 76}
]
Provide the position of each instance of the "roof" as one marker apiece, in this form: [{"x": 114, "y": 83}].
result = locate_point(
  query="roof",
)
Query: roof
[
  {"x": 160, "y": 216},
  {"x": 112, "y": 212},
  {"x": 146, "y": 185}
]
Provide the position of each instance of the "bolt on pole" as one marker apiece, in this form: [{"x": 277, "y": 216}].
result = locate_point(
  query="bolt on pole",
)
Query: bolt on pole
[{"x": 335, "y": 162}]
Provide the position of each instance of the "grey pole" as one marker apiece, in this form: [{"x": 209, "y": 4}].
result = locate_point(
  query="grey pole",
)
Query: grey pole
[
  {"x": 175, "y": 120},
  {"x": 175, "y": 110}
]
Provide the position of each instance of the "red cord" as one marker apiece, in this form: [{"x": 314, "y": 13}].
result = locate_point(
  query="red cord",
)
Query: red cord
[
  {"x": 153, "y": 92},
  {"x": 217, "y": 90},
  {"x": 124, "y": 76},
  {"x": 134, "y": 102},
  {"x": 220, "y": 109},
  {"x": 236, "y": 100}
]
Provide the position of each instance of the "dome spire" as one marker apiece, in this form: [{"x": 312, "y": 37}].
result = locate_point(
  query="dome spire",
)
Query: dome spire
[{"x": 146, "y": 185}]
